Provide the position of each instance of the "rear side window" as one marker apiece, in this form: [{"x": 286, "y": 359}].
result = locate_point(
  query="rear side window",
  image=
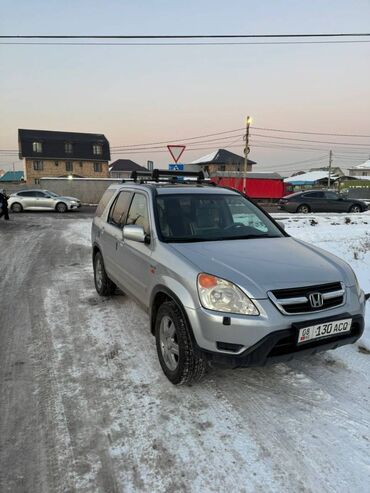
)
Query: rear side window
[
  {"x": 27, "y": 194},
  {"x": 108, "y": 194},
  {"x": 118, "y": 212}
]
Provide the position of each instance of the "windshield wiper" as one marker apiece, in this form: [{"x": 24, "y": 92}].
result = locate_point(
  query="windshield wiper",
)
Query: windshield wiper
[{"x": 249, "y": 237}]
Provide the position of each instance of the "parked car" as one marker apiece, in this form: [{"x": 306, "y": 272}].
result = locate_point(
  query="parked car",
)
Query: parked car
[
  {"x": 221, "y": 280},
  {"x": 41, "y": 200},
  {"x": 320, "y": 201}
]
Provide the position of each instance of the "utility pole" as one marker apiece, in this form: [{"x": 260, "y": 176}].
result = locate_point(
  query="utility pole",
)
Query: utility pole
[
  {"x": 246, "y": 151},
  {"x": 330, "y": 161}
]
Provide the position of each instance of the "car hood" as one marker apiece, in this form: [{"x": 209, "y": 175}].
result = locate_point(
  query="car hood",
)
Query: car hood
[
  {"x": 65, "y": 197},
  {"x": 259, "y": 265}
]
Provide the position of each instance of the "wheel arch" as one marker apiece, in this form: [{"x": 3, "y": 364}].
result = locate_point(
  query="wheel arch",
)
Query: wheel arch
[
  {"x": 304, "y": 204},
  {"x": 160, "y": 295}
]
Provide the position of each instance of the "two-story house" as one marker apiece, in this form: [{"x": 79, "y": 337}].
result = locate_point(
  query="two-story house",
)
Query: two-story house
[{"x": 62, "y": 154}]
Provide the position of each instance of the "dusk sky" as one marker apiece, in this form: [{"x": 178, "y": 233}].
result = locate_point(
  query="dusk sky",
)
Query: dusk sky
[{"x": 140, "y": 94}]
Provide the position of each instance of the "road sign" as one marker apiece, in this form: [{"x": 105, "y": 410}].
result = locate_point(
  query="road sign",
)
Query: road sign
[
  {"x": 176, "y": 167},
  {"x": 176, "y": 151}
]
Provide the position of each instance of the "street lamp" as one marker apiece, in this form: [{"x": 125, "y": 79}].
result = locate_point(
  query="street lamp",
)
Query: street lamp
[{"x": 248, "y": 122}]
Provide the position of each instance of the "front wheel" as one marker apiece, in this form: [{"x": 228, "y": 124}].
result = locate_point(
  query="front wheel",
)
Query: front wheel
[
  {"x": 61, "y": 207},
  {"x": 355, "y": 208},
  {"x": 103, "y": 285},
  {"x": 177, "y": 355}
]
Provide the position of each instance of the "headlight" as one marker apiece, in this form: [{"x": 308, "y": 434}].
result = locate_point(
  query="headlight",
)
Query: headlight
[
  {"x": 73, "y": 202},
  {"x": 223, "y": 296}
]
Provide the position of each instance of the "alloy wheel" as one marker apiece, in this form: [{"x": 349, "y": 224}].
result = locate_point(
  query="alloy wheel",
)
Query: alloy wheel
[{"x": 168, "y": 343}]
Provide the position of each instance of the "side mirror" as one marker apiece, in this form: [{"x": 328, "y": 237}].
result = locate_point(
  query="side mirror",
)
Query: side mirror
[
  {"x": 134, "y": 233},
  {"x": 281, "y": 224}
]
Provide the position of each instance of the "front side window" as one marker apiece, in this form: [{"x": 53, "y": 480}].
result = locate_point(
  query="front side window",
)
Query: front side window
[
  {"x": 37, "y": 146},
  {"x": 118, "y": 212},
  {"x": 38, "y": 165},
  {"x": 98, "y": 167},
  {"x": 69, "y": 166},
  {"x": 331, "y": 195},
  {"x": 97, "y": 149},
  {"x": 211, "y": 217},
  {"x": 138, "y": 213},
  {"x": 68, "y": 148}
]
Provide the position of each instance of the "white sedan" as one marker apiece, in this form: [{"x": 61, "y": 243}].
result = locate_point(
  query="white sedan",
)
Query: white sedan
[{"x": 41, "y": 200}]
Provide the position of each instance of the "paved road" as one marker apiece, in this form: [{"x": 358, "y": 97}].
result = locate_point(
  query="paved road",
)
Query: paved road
[{"x": 84, "y": 406}]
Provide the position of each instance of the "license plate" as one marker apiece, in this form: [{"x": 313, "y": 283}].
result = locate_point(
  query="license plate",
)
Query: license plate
[{"x": 327, "y": 329}]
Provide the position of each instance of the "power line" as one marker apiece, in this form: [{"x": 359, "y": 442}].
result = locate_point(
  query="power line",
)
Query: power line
[
  {"x": 310, "y": 133},
  {"x": 312, "y": 141},
  {"x": 182, "y": 36},
  {"x": 229, "y": 43}
]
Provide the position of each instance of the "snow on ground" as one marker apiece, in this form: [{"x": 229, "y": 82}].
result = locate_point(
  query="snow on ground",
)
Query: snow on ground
[{"x": 302, "y": 426}]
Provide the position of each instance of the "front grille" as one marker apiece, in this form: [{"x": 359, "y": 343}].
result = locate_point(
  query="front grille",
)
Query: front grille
[{"x": 296, "y": 300}]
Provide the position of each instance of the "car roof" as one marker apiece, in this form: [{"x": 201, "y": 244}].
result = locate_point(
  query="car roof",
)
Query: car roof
[{"x": 170, "y": 188}]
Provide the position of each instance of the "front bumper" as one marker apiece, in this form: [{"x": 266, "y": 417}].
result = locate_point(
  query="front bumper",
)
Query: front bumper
[
  {"x": 281, "y": 346},
  {"x": 74, "y": 206},
  {"x": 238, "y": 336}
]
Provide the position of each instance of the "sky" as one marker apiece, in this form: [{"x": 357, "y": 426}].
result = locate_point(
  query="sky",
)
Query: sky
[{"x": 141, "y": 94}]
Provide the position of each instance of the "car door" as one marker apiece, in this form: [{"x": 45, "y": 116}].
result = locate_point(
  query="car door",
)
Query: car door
[
  {"x": 134, "y": 257},
  {"x": 314, "y": 200},
  {"x": 110, "y": 236},
  {"x": 43, "y": 200},
  {"x": 333, "y": 202},
  {"x": 29, "y": 199}
]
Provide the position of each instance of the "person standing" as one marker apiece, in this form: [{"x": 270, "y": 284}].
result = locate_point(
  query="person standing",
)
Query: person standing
[{"x": 4, "y": 205}]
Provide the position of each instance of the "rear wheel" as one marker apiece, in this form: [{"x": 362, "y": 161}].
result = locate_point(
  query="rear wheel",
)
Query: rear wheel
[
  {"x": 16, "y": 207},
  {"x": 103, "y": 285},
  {"x": 61, "y": 207},
  {"x": 177, "y": 355},
  {"x": 303, "y": 209},
  {"x": 355, "y": 208}
]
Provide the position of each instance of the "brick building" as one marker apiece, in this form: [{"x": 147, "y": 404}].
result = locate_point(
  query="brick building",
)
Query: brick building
[{"x": 62, "y": 154}]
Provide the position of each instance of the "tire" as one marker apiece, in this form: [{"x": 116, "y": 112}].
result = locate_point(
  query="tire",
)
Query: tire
[
  {"x": 303, "y": 209},
  {"x": 61, "y": 207},
  {"x": 355, "y": 208},
  {"x": 16, "y": 207},
  {"x": 103, "y": 285},
  {"x": 177, "y": 355}
]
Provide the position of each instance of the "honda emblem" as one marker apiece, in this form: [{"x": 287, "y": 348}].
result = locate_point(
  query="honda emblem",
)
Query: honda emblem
[{"x": 316, "y": 300}]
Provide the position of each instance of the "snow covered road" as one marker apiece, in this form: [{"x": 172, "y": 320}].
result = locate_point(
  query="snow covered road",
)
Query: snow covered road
[{"x": 85, "y": 407}]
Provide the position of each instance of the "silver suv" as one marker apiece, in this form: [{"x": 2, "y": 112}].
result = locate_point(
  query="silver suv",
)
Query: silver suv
[{"x": 221, "y": 280}]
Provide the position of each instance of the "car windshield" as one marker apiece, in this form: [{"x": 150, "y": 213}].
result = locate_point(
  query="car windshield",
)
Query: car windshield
[
  {"x": 211, "y": 217},
  {"x": 52, "y": 194}
]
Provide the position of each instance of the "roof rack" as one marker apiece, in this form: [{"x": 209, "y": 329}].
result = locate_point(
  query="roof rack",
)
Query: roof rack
[{"x": 168, "y": 176}]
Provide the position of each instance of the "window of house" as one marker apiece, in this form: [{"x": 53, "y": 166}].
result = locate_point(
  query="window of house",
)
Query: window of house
[
  {"x": 37, "y": 181},
  {"x": 223, "y": 167},
  {"x": 68, "y": 148},
  {"x": 56, "y": 163},
  {"x": 38, "y": 165},
  {"x": 37, "y": 146},
  {"x": 97, "y": 149},
  {"x": 98, "y": 167},
  {"x": 81, "y": 164},
  {"x": 69, "y": 166}
]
